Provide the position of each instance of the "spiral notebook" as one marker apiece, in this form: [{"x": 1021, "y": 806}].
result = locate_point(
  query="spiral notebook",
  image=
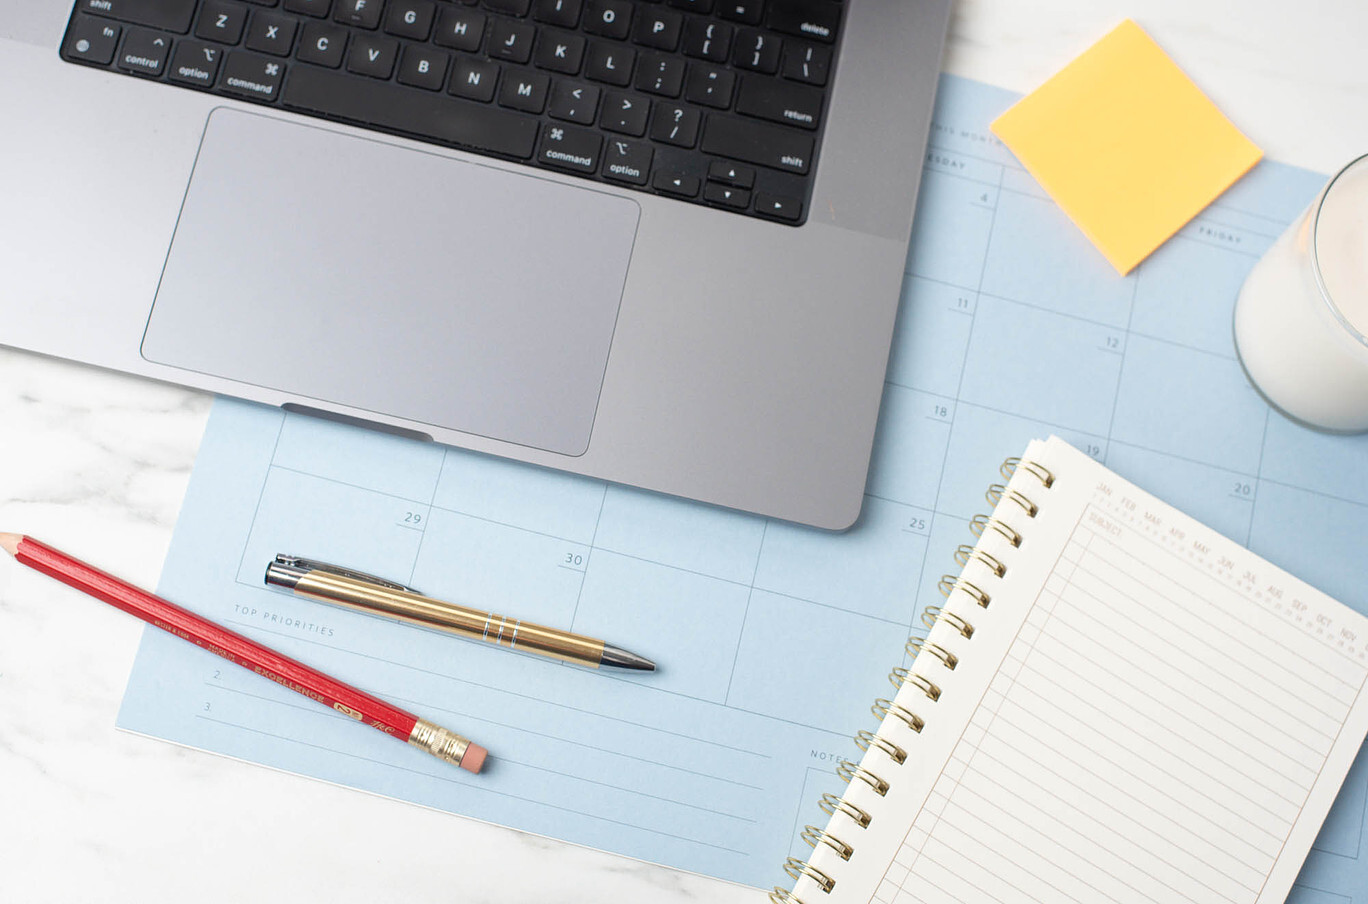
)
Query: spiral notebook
[{"x": 1114, "y": 704}]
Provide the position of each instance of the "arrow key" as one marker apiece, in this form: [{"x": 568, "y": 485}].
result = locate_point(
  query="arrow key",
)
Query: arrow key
[
  {"x": 731, "y": 174},
  {"x": 144, "y": 52},
  {"x": 780, "y": 208},
  {"x": 726, "y": 196},
  {"x": 672, "y": 182}
]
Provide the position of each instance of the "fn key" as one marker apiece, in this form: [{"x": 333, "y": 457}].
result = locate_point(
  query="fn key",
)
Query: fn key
[{"x": 91, "y": 41}]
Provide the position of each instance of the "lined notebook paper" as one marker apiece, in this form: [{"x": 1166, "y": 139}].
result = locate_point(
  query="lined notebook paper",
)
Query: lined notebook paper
[{"x": 1116, "y": 704}]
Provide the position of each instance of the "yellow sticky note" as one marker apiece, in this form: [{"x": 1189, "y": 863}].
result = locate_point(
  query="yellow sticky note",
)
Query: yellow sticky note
[{"x": 1126, "y": 144}]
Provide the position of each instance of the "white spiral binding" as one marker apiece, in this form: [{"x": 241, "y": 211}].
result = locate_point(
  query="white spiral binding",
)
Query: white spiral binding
[{"x": 917, "y": 646}]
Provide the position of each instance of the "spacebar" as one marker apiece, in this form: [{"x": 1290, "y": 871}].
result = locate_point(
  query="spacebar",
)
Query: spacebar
[{"x": 384, "y": 106}]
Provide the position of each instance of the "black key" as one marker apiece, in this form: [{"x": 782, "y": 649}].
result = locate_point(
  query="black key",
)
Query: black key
[
  {"x": 624, "y": 113},
  {"x": 563, "y": 147},
  {"x": 675, "y": 125},
  {"x": 757, "y": 51},
  {"x": 317, "y": 8},
  {"x": 410, "y": 18},
  {"x": 401, "y": 109},
  {"x": 708, "y": 40},
  {"x": 807, "y": 63},
  {"x": 474, "y": 79},
  {"x": 676, "y": 183},
  {"x": 627, "y": 161},
  {"x": 610, "y": 63},
  {"x": 509, "y": 7},
  {"x": 748, "y": 11},
  {"x": 610, "y": 18},
  {"x": 731, "y": 174},
  {"x": 574, "y": 103},
  {"x": 144, "y": 52},
  {"x": 693, "y": 6},
  {"x": 222, "y": 22},
  {"x": 322, "y": 43},
  {"x": 564, "y": 13},
  {"x": 523, "y": 90},
  {"x": 780, "y": 208},
  {"x": 253, "y": 77},
  {"x": 271, "y": 33},
  {"x": 91, "y": 40},
  {"x": 560, "y": 52},
  {"x": 195, "y": 64},
  {"x": 726, "y": 196},
  {"x": 372, "y": 55},
  {"x": 511, "y": 41},
  {"x": 757, "y": 142},
  {"x": 423, "y": 67},
  {"x": 779, "y": 101},
  {"x": 169, "y": 15},
  {"x": 459, "y": 29},
  {"x": 660, "y": 74},
  {"x": 659, "y": 29},
  {"x": 365, "y": 13},
  {"x": 815, "y": 19},
  {"x": 711, "y": 86}
]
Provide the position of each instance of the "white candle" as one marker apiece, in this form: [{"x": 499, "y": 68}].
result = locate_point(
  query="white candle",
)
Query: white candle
[{"x": 1302, "y": 317}]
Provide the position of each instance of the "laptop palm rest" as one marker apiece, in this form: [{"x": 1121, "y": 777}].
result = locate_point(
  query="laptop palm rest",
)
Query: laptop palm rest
[{"x": 401, "y": 282}]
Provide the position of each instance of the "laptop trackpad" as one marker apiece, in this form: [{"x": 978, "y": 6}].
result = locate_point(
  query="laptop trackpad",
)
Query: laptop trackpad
[{"x": 396, "y": 281}]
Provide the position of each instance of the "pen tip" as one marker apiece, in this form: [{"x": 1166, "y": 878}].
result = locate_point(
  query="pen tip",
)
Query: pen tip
[
  {"x": 10, "y": 543},
  {"x": 619, "y": 658}
]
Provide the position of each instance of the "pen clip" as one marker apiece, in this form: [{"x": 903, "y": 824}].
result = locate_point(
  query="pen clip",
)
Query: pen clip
[{"x": 315, "y": 565}]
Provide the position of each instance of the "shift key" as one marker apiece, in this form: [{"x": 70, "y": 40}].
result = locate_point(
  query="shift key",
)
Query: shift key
[
  {"x": 757, "y": 142},
  {"x": 168, "y": 15}
]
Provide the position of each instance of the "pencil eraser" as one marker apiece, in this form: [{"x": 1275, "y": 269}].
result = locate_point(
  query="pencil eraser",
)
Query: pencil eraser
[{"x": 474, "y": 758}]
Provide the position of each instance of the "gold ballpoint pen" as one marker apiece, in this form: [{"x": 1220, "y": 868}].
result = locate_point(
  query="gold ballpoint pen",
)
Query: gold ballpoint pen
[{"x": 377, "y": 596}]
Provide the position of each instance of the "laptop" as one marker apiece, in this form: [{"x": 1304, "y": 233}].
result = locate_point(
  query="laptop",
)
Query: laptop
[{"x": 657, "y": 242}]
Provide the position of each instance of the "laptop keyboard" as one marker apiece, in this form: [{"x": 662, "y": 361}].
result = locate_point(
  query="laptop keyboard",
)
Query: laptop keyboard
[{"x": 716, "y": 102}]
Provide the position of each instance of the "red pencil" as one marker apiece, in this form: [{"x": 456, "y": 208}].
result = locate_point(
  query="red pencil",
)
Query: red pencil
[{"x": 249, "y": 654}]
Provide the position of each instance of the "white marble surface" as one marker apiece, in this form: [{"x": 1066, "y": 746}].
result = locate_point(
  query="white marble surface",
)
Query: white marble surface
[{"x": 98, "y": 464}]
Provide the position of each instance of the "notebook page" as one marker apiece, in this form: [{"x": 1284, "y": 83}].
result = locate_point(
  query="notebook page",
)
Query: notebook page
[{"x": 1171, "y": 719}]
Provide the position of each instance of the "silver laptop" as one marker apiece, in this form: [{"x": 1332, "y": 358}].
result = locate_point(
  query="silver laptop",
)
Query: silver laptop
[{"x": 658, "y": 242}]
